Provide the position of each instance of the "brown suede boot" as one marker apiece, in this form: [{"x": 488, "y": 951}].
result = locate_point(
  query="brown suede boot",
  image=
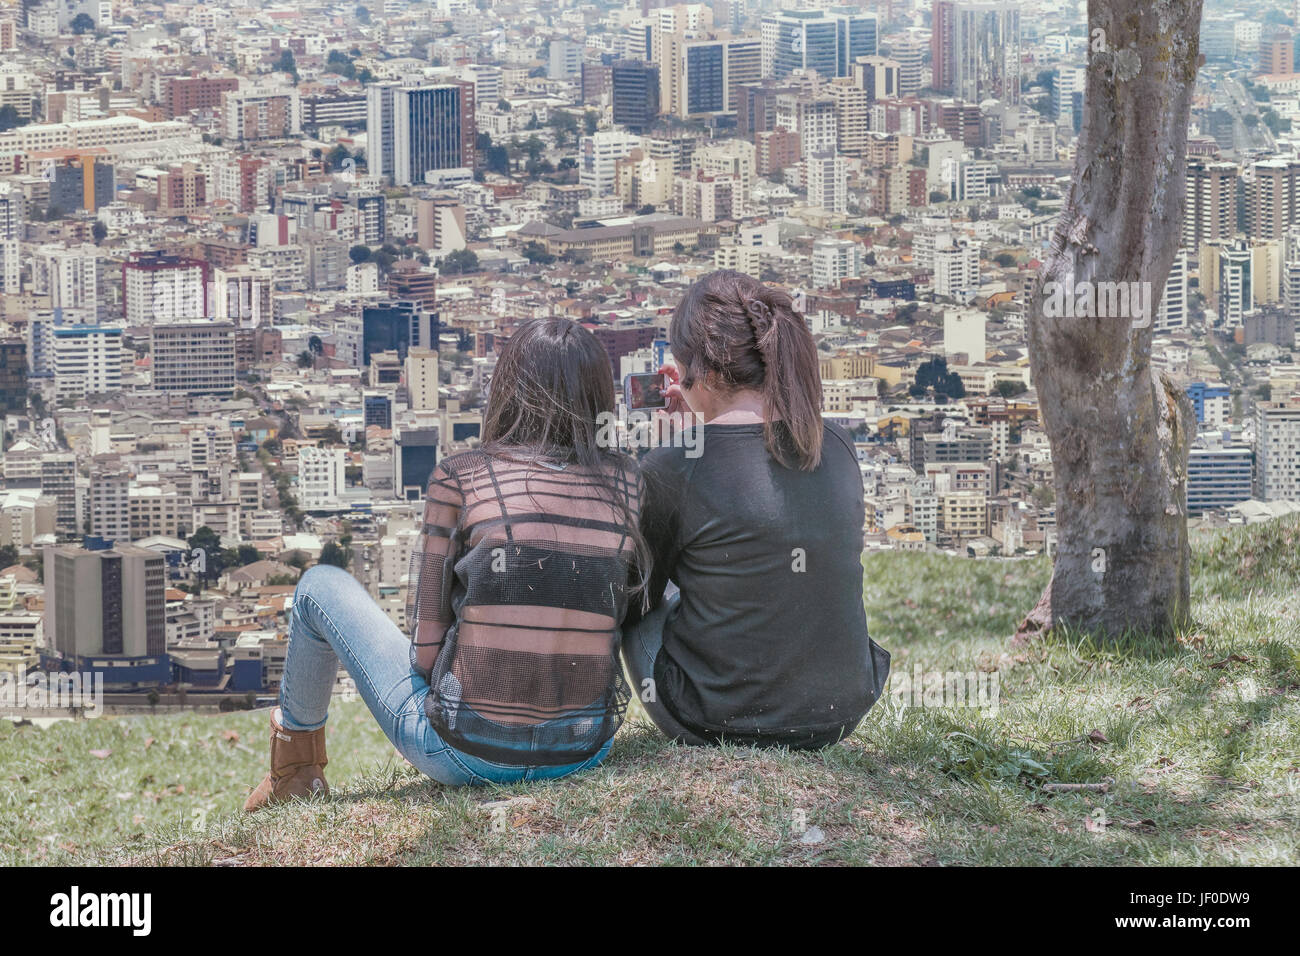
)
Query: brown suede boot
[{"x": 297, "y": 767}]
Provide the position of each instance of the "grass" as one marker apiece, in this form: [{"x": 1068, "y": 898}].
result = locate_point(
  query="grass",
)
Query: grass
[{"x": 1195, "y": 741}]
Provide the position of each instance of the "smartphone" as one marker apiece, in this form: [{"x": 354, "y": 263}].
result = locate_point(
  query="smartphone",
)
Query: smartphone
[{"x": 645, "y": 391}]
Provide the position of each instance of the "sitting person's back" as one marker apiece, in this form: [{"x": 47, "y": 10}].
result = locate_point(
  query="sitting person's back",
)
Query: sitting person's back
[
  {"x": 770, "y": 640},
  {"x": 528, "y": 666},
  {"x": 759, "y": 524}
]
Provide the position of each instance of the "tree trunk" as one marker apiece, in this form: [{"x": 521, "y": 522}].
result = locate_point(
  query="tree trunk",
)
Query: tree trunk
[{"x": 1120, "y": 433}]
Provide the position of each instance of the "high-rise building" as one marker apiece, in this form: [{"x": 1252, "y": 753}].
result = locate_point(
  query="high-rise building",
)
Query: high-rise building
[
  {"x": 80, "y": 182},
  {"x": 1211, "y": 403},
  {"x": 87, "y": 361},
  {"x": 413, "y": 130},
  {"x": 1068, "y": 84},
  {"x": 732, "y": 158},
  {"x": 422, "y": 378},
  {"x": 813, "y": 117},
  {"x": 321, "y": 477},
  {"x": 635, "y": 93},
  {"x": 372, "y": 223},
  {"x": 58, "y": 477},
  {"x": 852, "y": 118},
  {"x": 377, "y": 409},
  {"x": 828, "y": 176},
  {"x": 908, "y": 53},
  {"x": 415, "y": 449},
  {"x": 985, "y": 58},
  {"x": 775, "y": 150},
  {"x": 1277, "y": 451},
  {"x": 879, "y": 76},
  {"x": 1218, "y": 477},
  {"x": 942, "y": 16},
  {"x": 158, "y": 287},
  {"x": 105, "y": 612},
  {"x": 1273, "y": 198},
  {"x": 1276, "y": 51},
  {"x": 110, "y": 507},
  {"x": 564, "y": 59},
  {"x": 68, "y": 275},
  {"x": 956, "y": 268},
  {"x": 1211, "y": 212},
  {"x": 601, "y": 152},
  {"x": 707, "y": 72},
  {"x": 183, "y": 94},
  {"x": 242, "y": 294},
  {"x": 964, "y": 334},
  {"x": 13, "y": 374},
  {"x": 182, "y": 190},
  {"x": 261, "y": 113},
  {"x": 396, "y": 326},
  {"x": 1172, "y": 313},
  {"x": 197, "y": 358},
  {"x": 743, "y": 66},
  {"x": 827, "y": 41},
  {"x": 1235, "y": 283}
]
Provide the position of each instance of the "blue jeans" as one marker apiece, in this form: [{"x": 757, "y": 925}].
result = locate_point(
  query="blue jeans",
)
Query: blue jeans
[
  {"x": 334, "y": 619},
  {"x": 641, "y": 645}
]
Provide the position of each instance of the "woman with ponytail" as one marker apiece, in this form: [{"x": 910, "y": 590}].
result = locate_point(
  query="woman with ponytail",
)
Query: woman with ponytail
[{"x": 757, "y": 540}]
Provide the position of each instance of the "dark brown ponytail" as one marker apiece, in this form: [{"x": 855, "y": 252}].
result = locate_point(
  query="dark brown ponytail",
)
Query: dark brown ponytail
[{"x": 742, "y": 334}]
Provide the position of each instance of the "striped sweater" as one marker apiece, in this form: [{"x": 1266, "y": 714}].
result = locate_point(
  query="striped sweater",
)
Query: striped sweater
[{"x": 516, "y": 591}]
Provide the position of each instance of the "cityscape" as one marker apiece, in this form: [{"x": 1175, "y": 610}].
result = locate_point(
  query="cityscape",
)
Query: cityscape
[{"x": 257, "y": 263}]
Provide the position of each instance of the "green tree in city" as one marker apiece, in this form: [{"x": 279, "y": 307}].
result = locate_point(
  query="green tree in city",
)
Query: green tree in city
[{"x": 335, "y": 554}]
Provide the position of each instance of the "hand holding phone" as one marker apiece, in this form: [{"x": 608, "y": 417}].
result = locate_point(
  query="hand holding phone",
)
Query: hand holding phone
[{"x": 648, "y": 390}]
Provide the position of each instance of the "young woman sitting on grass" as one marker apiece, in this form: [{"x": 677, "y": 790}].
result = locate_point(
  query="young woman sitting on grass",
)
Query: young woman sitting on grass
[
  {"x": 765, "y": 640},
  {"x": 523, "y": 572}
]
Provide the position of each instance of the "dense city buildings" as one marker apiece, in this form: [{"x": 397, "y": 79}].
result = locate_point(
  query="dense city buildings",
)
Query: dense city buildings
[{"x": 257, "y": 267}]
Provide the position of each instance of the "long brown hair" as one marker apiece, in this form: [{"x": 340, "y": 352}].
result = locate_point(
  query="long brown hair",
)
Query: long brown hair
[
  {"x": 737, "y": 333},
  {"x": 551, "y": 383}
]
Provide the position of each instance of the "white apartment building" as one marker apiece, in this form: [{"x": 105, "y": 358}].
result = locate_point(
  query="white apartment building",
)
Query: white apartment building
[
  {"x": 738, "y": 258},
  {"x": 1040, "y": 142},
  {"x": 261, "y": 113},
  {"x": 1277, "y": 451},
  {"x": 828, "y": 181},
  {"x": 164, "y": 293},
  {"x": 422, "y": 378},
  {"x": 956, "y": 268},
  {"x": 110, "y": 513},
  {"x": 320, "y": 477},
  {"x": 601, "y": 152},
  {"x": 363, "y": 279},
  {"x": 963, "y": 332},
  {"x": 813, "y": 118},
  {"x": 836, "y": 259},
  {"x": 733, "y": 157},
  {"x": 395, "y": 555},
  {"x": 1172, "y": 313},
  {"x": 86, "y": 134},
  {"x": 67, "y": 274},
  {"x": 10, "y": 267},
  {"x": 87, "y": 360}
]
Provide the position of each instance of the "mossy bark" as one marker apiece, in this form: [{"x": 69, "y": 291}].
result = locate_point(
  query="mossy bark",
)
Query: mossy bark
[{"x": 1120, "y": 432}]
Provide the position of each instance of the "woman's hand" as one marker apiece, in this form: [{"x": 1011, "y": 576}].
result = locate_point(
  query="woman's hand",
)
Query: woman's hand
[{"x": 677, "y": 409}]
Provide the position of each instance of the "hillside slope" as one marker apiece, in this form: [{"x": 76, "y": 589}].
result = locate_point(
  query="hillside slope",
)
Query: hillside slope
[{"x": 1194, "y": 742}]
